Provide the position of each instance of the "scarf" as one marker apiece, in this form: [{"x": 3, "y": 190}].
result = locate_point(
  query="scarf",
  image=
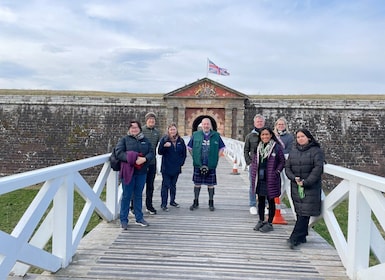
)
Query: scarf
[
  {"x": 264, "y": 149},
  {"x": 282, "y": 132}
]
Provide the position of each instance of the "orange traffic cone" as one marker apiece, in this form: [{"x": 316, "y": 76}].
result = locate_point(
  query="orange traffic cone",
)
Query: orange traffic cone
[
  {"x": 235, "y": 168},
  {"x": 278, "y": 219}
]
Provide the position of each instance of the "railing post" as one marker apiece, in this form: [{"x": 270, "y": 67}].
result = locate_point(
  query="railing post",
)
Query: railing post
[
  {"x": 358, "y": 240},
  {"x": 63, "y": 205},
  {"x": 112, "y": 193}
]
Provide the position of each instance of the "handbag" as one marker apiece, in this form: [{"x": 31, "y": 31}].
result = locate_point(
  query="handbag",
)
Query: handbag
[{"x": 114, "y": 161}]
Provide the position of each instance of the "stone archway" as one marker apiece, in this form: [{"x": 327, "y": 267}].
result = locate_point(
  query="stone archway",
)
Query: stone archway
[
  {"x": 225, "y": 107},
  {"x": 199, "y": 119},
  {"x": 194, "y": 116}
]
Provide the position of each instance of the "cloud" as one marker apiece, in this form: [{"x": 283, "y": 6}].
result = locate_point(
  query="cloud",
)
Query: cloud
[{"x": 269, "y": 47}]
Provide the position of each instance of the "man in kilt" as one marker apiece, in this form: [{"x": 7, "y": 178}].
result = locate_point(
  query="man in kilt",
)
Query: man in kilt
[{"x": 205, "y": 146}]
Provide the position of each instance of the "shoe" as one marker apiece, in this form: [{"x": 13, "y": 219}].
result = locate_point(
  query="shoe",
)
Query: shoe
[
  {"x": 253, "y": 210},
  {"x": 131, "y": 213},
  {"x": 258, "y": 226},
  {"x": 195, "y": 205},
  {"x": 151, "y": 211},
  {"x": 142, "y": 223},
  {"x": 124, "y": 226},
  {"x": 291, "y": 243},
  {"x": 266, "y": 227},
  {"x": 164, "y": 208},
  {"x": 303, "y": 240},
  {"x": 211, "y": 205},
  {"x": 174, "y": 204}
]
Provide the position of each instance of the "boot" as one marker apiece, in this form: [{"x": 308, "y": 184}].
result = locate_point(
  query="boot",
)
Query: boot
[
  {"x": 211, "y": 205},
  {"x": 195, "y": 205}
]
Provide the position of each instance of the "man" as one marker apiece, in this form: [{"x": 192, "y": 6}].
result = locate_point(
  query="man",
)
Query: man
[
  {"x": 251, "y": 143},
  {"x": 152, "y": 134},
  {"x": 205, "y": 146}
]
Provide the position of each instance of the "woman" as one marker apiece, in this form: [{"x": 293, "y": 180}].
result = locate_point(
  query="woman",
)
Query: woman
[
  {"x": 304, "y": 168},
  {"x": 173, "y": 150},
  {"x": 266, "y": 166},
  {"x": 135, "y": 152},
  {"x": 284, "y": 135}
]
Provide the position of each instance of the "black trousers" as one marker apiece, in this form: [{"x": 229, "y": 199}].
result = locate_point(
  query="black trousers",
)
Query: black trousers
[
  {"x": 151, "y": 172},
  {"x": 300, "y": 230}
]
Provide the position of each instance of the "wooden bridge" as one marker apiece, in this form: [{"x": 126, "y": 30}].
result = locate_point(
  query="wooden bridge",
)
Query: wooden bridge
[{"x": 184, "y": 244}]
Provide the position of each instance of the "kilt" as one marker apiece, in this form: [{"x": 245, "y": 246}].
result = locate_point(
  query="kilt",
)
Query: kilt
[{"x": 210, "y": 179}]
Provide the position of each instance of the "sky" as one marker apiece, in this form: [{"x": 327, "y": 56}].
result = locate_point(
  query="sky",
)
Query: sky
[{"x": 153, "y": 46}]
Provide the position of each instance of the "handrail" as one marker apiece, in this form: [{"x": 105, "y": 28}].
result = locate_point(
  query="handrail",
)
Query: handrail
[
  {"x": 24, "y": 246},
  {"x": 365, "y": 193}
]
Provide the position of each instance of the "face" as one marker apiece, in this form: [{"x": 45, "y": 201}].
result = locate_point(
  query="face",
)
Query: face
[
  {"x": 134, "y": 129},
  {"x": 259, "y": 123},
  {"x": 265, "y": 136},
  {"x": 302, "y": 138},
  {"x": 172, "y": 131},
  {"x": 206, "y": 125},
  {"x": 150, "y": 122},
  {"x": 281, "y": 125}
]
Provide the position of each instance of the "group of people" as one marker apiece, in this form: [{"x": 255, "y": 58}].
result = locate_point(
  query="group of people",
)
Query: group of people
[
  {"x": 137, "y": 151},
  {"x": 276, "y": 158}
]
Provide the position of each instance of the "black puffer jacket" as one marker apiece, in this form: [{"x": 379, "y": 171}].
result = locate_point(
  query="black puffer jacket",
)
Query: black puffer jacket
[
  {"x": 138, "y": 144},
  {"x": 307, "y": 163}
]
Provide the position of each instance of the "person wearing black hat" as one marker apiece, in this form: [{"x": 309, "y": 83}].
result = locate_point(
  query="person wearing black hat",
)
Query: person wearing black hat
[
  {"x": 304, "y": 168},
  {"x": 153, "y": 134}
]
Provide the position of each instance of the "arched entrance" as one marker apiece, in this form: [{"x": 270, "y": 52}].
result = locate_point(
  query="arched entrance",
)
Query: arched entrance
[
  {"x": 225, "y": 107},
  {"x": 199, "y": 119}
]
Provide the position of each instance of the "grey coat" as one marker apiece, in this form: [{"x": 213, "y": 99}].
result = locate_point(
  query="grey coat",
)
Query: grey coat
[{"x": 307, "y": 163}]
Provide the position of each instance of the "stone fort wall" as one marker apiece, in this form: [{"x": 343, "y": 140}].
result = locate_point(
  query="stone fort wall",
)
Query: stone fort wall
[{"x": 44, "y": 130}]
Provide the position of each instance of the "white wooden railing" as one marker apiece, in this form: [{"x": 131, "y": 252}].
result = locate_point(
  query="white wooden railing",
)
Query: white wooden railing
[
  {"x": 366, "y": 200},
  {"x": 24, "y": 246}
]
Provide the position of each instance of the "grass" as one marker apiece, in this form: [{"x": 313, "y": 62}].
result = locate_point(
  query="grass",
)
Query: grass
[
  {"x": 13, "y": 205},
  {"x": 341, "y": 213}
]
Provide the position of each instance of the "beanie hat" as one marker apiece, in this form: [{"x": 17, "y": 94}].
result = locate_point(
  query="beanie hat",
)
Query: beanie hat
[{"x": 149, "y": 115}]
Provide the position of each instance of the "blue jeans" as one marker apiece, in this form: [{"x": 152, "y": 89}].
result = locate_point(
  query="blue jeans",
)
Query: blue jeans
[
  {"x": 252, "y": 195},
  {"x": 132, "y": 190},
  {"x": 168, "y": 183}
]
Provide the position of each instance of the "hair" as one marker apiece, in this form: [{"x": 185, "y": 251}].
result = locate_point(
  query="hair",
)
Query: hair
[
  {"x": 276, "y": 122},
  {"x": 273, "y": 136},
  {"x": 135, "y": 121},
  {"x": 308, "y": 135},
  {"x": 259, "y": 116},
  {"x": 172, "y": 125}
]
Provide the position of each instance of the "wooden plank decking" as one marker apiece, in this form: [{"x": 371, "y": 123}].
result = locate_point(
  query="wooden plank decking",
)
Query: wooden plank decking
[{"x": 184, "y": 244}]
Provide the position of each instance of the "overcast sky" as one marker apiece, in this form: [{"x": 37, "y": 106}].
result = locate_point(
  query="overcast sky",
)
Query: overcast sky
[{"x": 153, "y": 46}]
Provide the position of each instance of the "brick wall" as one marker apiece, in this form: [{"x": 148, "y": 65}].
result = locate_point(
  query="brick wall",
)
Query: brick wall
[{"x": 39, "y": 131}]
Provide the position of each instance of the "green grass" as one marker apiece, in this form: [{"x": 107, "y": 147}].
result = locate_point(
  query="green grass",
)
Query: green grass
[
  {"x": 13, "y": 205},
  {"x": 341, "y": 213}
]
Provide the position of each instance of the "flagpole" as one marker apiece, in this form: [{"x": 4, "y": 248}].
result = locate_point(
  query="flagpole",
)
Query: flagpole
[{"x": 207, "y": 68}]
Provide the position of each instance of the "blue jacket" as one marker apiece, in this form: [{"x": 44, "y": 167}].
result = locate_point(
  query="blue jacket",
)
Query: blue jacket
[
  {"x": 141, "y": 145},
  {"x": 173, "y": 157}
]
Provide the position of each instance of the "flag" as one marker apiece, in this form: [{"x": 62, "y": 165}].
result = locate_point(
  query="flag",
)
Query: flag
[{"x": 214, "y": 69}]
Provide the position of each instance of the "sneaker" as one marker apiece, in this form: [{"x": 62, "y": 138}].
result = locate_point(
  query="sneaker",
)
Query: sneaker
[
  {"x": 258, "y": 225},
  {"x": 124, "y": 226},
  {"x": 291, "y": 243},
  {"x": 266, "y": 227},
  {"x": 253, "y": 210},
  {"x": 142, "y": 223},
  {"x": 151, "y": 211},
  {"x": 164, "y": 208},
  {"x": 174, "y": 204}
]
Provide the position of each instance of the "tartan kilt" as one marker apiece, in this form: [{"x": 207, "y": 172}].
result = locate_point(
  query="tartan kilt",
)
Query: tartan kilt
[{"x": 210, "y": 179}]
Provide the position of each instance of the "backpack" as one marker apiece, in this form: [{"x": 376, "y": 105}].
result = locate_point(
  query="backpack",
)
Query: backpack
[{"x": 115, "y": 162}]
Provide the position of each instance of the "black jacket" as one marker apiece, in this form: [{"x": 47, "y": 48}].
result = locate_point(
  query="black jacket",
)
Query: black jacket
[
  {"x": 307, "y": 163},
  {"x": 141, "y": 145}
]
